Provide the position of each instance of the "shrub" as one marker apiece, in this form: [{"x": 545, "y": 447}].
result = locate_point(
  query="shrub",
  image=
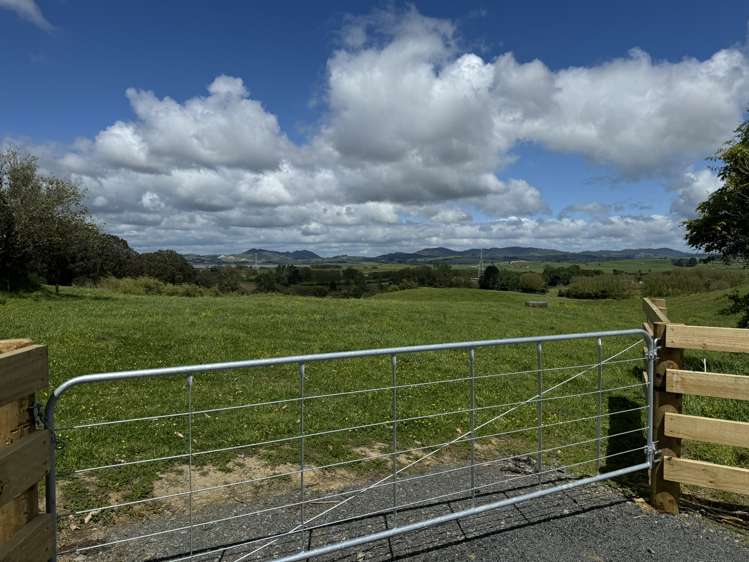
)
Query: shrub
[
  {"x": 605, "y": 286},
  {"x": 531, "y": 282},
  {"x": 151, "y": 286},
  {"x": 310, "y": 290},
  {"x": 684, "y": 281}
]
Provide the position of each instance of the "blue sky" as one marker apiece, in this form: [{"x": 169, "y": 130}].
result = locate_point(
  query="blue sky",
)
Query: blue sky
[{"x": 366, "y": 127}]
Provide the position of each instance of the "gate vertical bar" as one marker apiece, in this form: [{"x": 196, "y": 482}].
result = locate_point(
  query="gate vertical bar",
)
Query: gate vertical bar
[
  {"x": 472, "y": 399},
  {"x": 189, "y": 457},
  {"x": 599, "y": 347},
  {"x": 652, "y": 352},
  {"x": 394, "y": 439},
  {"x": 539, "y": 408},
  {"x": 301, "y": 452}
]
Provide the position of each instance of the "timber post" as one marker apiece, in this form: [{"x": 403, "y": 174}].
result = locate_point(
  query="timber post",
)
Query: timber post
[
  {"x": 664, "y": 494},
  {"x": 25, "y": 534}
]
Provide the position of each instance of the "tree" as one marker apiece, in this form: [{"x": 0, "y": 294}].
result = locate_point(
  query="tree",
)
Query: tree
[
  {"x": 355, "y": 282},
  {"x": 14, "y": 270},
  {"x": 48, "y": 215},
  {"x": 489, "y": 278},
  {"x": 721, "y": 227},
  {"x": 168, "y": 266}
]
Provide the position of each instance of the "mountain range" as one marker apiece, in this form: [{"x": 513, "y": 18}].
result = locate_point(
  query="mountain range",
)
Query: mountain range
[{"x": 434, "y": 255}]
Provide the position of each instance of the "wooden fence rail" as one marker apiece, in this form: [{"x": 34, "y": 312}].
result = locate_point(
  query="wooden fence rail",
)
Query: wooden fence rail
[
  {"x": 671, "y": 382},
  {"x": 25, "y": 534}
]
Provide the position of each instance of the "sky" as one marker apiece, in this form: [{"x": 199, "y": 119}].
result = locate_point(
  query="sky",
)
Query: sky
[{"x": 369, "y": 127}]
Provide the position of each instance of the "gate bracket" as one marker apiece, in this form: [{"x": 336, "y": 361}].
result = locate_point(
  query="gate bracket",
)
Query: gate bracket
[
  {"x": 37, "y": 413},
  {"x": 654, "y": 455}
]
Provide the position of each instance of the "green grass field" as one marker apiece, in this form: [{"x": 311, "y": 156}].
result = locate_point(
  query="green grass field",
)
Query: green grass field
[{"x": 90, "y": 331}]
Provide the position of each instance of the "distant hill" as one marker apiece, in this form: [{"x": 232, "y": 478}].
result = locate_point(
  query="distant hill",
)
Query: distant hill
[
  {"x": 255, "y": 255},
  {"x": 281, "y": 257},
  {"x": 519, "y": 253},
  {"x": 436, "y": 255}
]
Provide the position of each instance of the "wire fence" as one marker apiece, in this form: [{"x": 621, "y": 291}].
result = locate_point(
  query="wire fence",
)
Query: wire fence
[{"x": 261, "y": 459}]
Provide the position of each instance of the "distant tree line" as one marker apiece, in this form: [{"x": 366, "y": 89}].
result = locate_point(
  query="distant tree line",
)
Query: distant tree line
[
  {"x": 438, "y": 275},
  {"x": 352, "y": 282},
  {"x": 494, "y": 278},
  {"x": 685, "y": 262}
]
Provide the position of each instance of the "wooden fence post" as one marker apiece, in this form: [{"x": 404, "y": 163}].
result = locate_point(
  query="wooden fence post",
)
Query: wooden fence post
[
  {"x": 664, "y": 494},
  {"x": 25, "y": 534}
]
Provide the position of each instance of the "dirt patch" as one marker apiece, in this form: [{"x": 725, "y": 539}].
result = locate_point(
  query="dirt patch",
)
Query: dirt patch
[{"x": 243, "y": 479}]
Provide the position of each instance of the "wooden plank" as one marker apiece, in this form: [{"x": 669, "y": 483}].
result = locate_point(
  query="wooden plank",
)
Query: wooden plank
[
  {"x": 23, "y": 371},
  {"x": 32, "y": 543},
  {"x": 707, "y": 338},
  {"x": 717, "y": 385},
  {"x": 709, "y": 475},
  {"x": 10, "y": 345},
  {"x": 23, "y": 464},
  {"x": 16, "y": 422},
  {"x": 653, "y": 313},
  {"x": 660, "y": 303},
  {"x": 708, "y": 430}
]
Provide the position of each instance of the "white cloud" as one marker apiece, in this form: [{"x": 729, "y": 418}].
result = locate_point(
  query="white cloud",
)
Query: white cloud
[
  {"x": 411, "y": 148},
  {"x": 692, "y": 188},
  {"x": 28, "y": 10},
  {"x": 235, "y": 231},
  {"x": 642, "y": 117},
  {"x": 593, "y": 209}
]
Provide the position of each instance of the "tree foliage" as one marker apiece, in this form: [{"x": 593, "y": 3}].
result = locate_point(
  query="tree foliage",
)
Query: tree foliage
[
  {"x": 489, "y": 278},
  {"x": 48, "y": 218},
  {"x": 47, "y": 234},
  {"x": 721, "y": 227},
  {"x": 168, "y": 266},
  {"x": 14, "y": 271}
]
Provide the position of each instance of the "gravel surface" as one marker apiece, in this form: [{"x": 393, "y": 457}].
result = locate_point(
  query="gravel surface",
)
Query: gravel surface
[{"x": 595, "y": 522}]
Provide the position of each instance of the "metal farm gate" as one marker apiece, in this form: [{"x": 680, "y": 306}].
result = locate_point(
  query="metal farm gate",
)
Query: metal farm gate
[{"x": 291, "y": 458}]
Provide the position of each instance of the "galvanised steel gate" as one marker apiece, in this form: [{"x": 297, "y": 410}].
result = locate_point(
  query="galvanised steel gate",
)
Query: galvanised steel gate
[{"x": 312, "y": 445}]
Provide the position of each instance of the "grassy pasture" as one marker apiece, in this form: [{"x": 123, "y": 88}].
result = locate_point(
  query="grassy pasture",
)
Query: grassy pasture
[{"x": 89, "y": 331}]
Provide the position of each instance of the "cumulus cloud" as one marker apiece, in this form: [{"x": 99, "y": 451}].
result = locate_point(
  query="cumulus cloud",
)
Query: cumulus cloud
[
  {"x": 691, "y": 189},
  {"x": 642, "y": 117},
  {"x": 411, "y": 148},
  {"x": 28, "y": 10}
]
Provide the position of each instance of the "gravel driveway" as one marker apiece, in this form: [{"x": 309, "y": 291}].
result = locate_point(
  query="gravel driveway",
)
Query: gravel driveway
[{"x": 597, "y": 522}]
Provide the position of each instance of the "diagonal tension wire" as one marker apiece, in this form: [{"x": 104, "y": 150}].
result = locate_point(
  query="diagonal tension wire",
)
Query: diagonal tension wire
[{"x": 438, "y": 449}]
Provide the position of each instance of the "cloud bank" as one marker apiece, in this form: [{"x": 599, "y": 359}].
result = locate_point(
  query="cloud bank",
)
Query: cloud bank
[{"x": 411, "y": 149}]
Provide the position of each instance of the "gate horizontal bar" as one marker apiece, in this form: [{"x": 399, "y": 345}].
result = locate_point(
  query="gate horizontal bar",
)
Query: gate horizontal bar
[
  {"x": 227, "y": 366},
  {"x": 460, "y": 514},
  {"x": 587, "y": 366}
]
